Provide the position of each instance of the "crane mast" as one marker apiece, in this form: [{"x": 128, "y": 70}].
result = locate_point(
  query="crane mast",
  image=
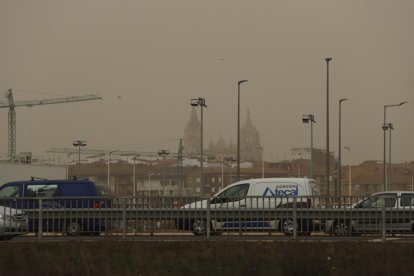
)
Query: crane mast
[{"x": 11, "y": 104}]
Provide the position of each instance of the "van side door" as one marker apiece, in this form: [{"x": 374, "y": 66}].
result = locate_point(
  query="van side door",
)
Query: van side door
[
  {"x": 34, "y": 191},
  {"x": 233, "y": 198}
]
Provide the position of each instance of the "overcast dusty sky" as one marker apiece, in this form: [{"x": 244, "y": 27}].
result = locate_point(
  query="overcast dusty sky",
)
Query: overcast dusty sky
[{"x": 148, "y": 58}]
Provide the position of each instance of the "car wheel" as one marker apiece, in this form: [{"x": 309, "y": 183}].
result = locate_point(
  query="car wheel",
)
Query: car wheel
[
  {"x": 288, "y": 227},
  {"x": 341, "y": 228},
  {"x": 199, "y": 227},
  {"x": 72, "y": 228}
]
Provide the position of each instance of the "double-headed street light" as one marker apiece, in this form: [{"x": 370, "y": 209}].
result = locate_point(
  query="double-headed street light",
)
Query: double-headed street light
[
  {"x": 384, "y": 128},
  {"x": 306, "y": 119},
  {"x": 238, "y": 128},
  {"x": 79, "y": 144},
  {"x": 201, "y": 102}
]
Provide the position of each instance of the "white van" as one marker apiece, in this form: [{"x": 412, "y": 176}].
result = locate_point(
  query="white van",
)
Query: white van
[{"x": 262, "y": 194}]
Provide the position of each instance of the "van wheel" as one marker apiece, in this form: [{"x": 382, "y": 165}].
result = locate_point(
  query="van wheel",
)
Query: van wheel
[
  {"x": 288, "y": 226},
  {"x": 72, "y": 228},
  {"x": 199, "y": 227}
]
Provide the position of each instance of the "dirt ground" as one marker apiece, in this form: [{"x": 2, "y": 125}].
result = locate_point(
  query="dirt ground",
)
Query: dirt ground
[{"x": 206, "y": 258}]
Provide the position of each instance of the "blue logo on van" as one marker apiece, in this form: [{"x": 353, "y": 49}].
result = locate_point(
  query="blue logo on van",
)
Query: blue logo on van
[{"x": 280, "y": 192}]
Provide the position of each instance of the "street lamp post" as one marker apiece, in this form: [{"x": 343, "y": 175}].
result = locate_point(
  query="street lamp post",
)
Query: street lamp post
[
  {"x": 349, "y": 172},
  {"x": 134, "y": 186},
  {"x": 225, "y": 159},
  {"x": 384, "y": 128},
  {"x": 262, "y": 150},
  {"x": 222, "y": 173},
  {"x": 310, "y": 119},
  {"x": 79, "y": 144},
  {"x": 339, "y": 152},
  {"x": 109, "y": 162},
  {"x": 201, "y": 102},
  {"x": 328, "y": 184},
  {"x": 389, "y": 127},
  {"x": 238, "y": 128},
  {"x": 67, "y": 168},
  {"x": 149, "y": 183},
  {"x": 163, "y": 153}
]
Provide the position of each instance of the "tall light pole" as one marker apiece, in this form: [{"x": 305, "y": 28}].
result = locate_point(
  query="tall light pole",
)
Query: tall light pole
[
  {"x": 109, "y": 162},
  {"x": 225, "y": 159},
  {"x": 79, "y": 144},
  {"x": 339, "y": 152},
  {"x": 384, "y": 128},
  {"x": 328, "y": 184},
  {"x": 69, "y": 163},
  {"x": 149, "y": 183},
  {"x": 309, "y": 118},
  {"x": 389, "y": 127},
  {"x": 201, "y": 102},
  {"x": 261, "y": 149},
  {"x": 349, "y": 171},
  {"x": 134, "y": 186},
  {"x": 238, "y": 128},
  {"x": 222, "y": 173},
  {"x": 163, "y": 153}
]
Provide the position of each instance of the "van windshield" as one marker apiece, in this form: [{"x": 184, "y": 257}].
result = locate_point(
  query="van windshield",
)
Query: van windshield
[
  {"x": 239, "y": 191},
  {"x": 10, "y": 191}
]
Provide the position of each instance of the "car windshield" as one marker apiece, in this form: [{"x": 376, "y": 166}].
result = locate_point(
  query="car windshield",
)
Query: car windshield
[{"x": 379, "y": 201}]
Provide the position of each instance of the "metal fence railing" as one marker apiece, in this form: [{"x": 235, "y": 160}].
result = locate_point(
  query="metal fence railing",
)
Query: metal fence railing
[{"x": 207, "y": 216}]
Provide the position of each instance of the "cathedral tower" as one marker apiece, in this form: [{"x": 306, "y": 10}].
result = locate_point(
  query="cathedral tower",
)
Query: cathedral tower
[{"x": 192, "y": 136}]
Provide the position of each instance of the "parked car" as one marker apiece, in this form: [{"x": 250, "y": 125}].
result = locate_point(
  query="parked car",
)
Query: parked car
[
  {"x": 401, "y": 219},
  {"x": 262, "y": 195},
  {"x": 12, "y": 223},
  {"x": 64, "y": 199}
]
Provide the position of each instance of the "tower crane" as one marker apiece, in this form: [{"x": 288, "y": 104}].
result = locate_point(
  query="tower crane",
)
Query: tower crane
[{"x": 11, "y": 104}]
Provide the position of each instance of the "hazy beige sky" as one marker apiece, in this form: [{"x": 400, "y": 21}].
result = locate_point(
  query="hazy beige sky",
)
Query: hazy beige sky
[{"x": 148, "y": 58}]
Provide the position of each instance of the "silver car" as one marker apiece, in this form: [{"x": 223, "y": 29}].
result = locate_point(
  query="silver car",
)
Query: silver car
[
  {"x": 366, "y": 215},
  {"x": 12, "y": 223}
]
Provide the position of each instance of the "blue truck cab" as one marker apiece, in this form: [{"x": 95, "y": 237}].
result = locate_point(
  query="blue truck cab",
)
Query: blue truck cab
[{"x": 63, "y": 204}]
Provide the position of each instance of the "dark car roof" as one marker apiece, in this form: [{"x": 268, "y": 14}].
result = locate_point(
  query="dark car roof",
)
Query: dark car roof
[{"x": 50, "y": 181}]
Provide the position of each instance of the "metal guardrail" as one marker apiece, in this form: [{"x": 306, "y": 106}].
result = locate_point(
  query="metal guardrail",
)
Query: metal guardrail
[{"x": 292, "y": 216}]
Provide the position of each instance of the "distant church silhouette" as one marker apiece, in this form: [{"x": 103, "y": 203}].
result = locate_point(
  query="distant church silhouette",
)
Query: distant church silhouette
[{"x": 249, "y": 142}]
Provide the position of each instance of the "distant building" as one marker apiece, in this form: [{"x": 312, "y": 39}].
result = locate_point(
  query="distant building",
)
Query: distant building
[{"x": 249, "y": 142}]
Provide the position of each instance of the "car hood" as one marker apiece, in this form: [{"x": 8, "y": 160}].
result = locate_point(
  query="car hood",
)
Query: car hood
[{"x": 202, "y": 204}]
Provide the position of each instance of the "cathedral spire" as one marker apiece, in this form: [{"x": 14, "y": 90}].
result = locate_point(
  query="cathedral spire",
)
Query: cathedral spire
[
  {"x": 192, "y": 135},
  {"x": 249, "y": 124}
]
